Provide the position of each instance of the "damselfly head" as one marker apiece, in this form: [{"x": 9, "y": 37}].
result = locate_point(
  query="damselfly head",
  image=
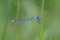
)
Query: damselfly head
[
  {"x": 36, "y": 18},
  {"x": 12, "y": 20}
]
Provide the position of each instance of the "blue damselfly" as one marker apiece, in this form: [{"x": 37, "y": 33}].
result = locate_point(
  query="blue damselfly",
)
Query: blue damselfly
[{"x": 37, "y": 18}]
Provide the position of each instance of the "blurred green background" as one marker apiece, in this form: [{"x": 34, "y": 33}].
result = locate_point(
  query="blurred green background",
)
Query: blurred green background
[{"x": 30, "y": 30}]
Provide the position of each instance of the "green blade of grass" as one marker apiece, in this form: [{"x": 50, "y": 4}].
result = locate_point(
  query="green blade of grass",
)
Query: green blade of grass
[
  {"x": 42, "y": 20},
  {"x": 5, "y": 29},
  {"x": 17, "y": 17},
  {"x": 43, "y": 25}
]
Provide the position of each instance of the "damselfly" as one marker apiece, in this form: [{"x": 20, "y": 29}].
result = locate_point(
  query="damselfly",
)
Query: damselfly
[{"x": 37, "y": 18}]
